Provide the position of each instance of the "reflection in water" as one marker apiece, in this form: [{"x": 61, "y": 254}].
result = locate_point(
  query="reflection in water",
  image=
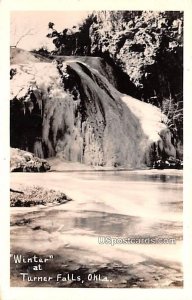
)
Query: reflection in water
[
  {"x": 100, "y": 223},
  {"x": 96, "y": 222}
]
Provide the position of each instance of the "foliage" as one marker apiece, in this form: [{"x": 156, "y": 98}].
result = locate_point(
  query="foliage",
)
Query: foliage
[
  {"x": 42, "y": 51},
  {"x": 73, "y": 41}
]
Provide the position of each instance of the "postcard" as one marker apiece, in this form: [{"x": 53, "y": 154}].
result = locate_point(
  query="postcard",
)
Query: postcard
[{"x": 96, "y": 139}]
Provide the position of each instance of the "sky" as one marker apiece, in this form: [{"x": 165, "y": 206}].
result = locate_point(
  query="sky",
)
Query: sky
[{"x": 37, "y": 23}]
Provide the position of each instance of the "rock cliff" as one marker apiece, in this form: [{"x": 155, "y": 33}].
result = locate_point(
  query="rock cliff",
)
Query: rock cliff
[{"x": 147, "y": 45}]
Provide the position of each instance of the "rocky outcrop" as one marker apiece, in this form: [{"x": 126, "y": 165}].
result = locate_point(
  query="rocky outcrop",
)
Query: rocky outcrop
[
  {"x": 147, "y": 45},
  {"x": 23, "y": 161},
  {"x": 68, "y": 108}
]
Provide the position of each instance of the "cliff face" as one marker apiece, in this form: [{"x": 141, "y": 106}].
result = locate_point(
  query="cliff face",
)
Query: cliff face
[
  {"x": 147, "y": 45},
  {"x": 68, "y": 108}
]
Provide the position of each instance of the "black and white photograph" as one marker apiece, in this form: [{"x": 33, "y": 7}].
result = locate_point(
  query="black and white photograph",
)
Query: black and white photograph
[{"x": 96, "y": 149}]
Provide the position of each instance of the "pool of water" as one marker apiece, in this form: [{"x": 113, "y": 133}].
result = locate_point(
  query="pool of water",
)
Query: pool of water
[{"x": 108, "y": 204}]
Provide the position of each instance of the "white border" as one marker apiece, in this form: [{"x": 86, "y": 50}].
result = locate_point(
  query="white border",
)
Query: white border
[{"x": 7, "y": 293}]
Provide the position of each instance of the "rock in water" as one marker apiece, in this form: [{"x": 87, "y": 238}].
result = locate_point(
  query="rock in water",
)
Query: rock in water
[
  {"x": 23, "y": 161},
  {"x": 25, "y": 196},
  {"x": 69, "y": 109}
]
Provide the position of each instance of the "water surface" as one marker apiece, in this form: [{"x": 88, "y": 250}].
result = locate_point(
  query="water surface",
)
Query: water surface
[{"x": 115, "y": 204}]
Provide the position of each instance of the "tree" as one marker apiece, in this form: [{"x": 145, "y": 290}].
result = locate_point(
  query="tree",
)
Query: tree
[
  {"x": 72, "y": 41},
  {"x": 50, "y": 25},
  {"x": 27, "y": 33}
]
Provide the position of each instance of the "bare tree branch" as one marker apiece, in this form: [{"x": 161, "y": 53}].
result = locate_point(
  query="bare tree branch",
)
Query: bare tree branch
[{"x": 29, "y": 32}]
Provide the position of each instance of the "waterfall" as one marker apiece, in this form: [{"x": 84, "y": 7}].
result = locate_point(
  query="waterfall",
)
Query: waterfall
[{"x": 77, "y": 114}]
